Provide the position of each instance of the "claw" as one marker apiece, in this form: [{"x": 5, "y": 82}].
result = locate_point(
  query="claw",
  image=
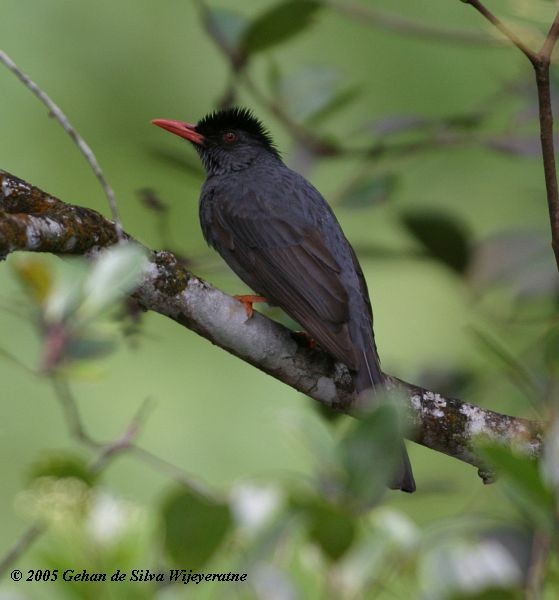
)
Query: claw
[
  {"x": 248, "y": 301},
  {"x": 307, "y": 339}
]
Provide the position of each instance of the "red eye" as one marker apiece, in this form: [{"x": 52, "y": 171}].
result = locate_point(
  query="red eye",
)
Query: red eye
[{"x": 230, "y": 137}]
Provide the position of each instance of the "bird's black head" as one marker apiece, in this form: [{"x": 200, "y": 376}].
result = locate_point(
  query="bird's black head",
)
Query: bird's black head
[{"x": 226, "y": 140}]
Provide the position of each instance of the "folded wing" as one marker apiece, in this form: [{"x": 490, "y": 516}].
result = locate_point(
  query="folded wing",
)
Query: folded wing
[{"x": 295, "y": 270}]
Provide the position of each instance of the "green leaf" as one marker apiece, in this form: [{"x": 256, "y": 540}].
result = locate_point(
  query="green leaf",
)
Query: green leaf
[
  {"x": 67, "y": 292},
  {"x": 61, "y": 465},
  {"x": 370, "y": 190},
  {"x": 308, "y": 90},
  {"x": 370, "y": 453},
  {"x": 332, "y": 529},
  {"x": 229, "y": 25},
  {"x": 521, "y": 477},
  {"x": 88, "y": 347},
  {"x": 36, "y": 276},
  {"x": 337, "y": 102},
  {"x": 115, "y": 272},
  {"x": 311, "y": 92},
  {"x": 193, "y": 527},
  {"x": 278, "y": 24},
  {"x": 444, "y": 238},
  {"x": 389, "y": 538},
  {"x": 273, "y": 76}
]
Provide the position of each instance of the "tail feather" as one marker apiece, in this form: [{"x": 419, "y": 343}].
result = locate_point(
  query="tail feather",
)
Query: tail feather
[
  {"x": 368, "y": 377},
  {"x": 403, "y": 479}
]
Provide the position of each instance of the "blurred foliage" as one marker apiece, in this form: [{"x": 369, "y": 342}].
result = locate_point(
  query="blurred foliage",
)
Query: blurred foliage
[
  {"x": 430, "y": 154},
  {"x": 194, "y": 527},
  {"x": 277, "y": 25},
  {"x": 443, "y": 239},
  {"x": 68, "y": 305},
  {"x": 62, "y": 465}
]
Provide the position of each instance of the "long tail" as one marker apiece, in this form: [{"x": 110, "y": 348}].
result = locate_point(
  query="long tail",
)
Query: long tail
[{"x": 368, "y": 377}]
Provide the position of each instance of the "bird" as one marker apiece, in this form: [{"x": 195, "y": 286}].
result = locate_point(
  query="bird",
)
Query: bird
[{"x": 279, "y": 235}]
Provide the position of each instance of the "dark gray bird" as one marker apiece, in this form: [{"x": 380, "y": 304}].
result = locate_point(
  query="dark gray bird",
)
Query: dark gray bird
[{"x": 278, "y": 234}]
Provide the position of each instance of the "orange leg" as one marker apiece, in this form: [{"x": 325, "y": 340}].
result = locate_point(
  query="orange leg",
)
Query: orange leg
[
  {"x": 309, "y": 341},
  {"x": 248, "y": 301}
]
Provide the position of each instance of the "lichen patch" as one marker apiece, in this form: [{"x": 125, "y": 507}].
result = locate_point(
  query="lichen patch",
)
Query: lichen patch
[
  {"x": 6, "y": 189},
  {"x": 476, "y": 423},
  {"x": 33, "y": 238},
  {"x": 325, "y": 390}
]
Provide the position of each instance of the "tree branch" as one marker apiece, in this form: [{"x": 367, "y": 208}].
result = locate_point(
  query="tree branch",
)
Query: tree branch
[
  {"x": 541, "y": 62},
  {"x": 530, "y": 55},
  {"x": 546, "y": 132},
  {"x": 550, "y": 40},
  {"x": 32, "y": 220}
]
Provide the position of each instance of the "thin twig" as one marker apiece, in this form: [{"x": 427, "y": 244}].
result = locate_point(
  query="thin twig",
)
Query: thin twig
[
  {"x": 125, "y": 441},
  {"x": 379, "y": 149},
  {"x": 371, "y": 16},
  {"x": 540, "y": 62},
  {"x": 172, "y": 470},
  {"x": 298, "y": 131},
  {"x": 550, "y": 40},
  {"x": 548, "y": 153},
  {"x": 21, "y": 546},
  {"x": 236, "y": 59},
  {"x": 540, "y": 552},
  {"x": 82, "y": 145},
  {"x": 532, "y": 57},
  {"x": 236, "y": 62},
  {"x": 546, "y": 132},
  {"x": 71, "y": 412},
  {"x": 108, "y": 452},
  {"x": 14, "y": 360}
]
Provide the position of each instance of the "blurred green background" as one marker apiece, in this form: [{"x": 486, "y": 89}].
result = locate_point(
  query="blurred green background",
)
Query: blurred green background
[{"x": 114, "y": 66}]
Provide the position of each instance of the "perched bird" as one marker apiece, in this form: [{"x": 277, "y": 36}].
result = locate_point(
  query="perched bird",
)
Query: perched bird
[{"x": 278, "y": 234}]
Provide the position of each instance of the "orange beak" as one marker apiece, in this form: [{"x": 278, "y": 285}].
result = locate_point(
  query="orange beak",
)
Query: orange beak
[{"x": 184, "y": 130}]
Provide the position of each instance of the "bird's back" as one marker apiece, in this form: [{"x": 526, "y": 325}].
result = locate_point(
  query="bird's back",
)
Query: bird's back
[{"x": 266, "y": 200}]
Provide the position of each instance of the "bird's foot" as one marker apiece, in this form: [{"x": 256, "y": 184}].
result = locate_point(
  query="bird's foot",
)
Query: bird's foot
[
  {"x": 248, "y": 301},
  {"x": 307, "y": 339}
]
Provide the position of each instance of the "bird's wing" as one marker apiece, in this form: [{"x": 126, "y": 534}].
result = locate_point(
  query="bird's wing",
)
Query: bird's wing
[{"x": 294, "y": 269}]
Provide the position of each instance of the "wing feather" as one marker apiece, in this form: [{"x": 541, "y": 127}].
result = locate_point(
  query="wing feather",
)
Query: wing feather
[{"x": 295, "y": 270}]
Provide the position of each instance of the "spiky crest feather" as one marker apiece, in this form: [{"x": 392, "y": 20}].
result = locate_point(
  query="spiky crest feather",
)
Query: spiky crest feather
[{"x": 239, "y": 118}]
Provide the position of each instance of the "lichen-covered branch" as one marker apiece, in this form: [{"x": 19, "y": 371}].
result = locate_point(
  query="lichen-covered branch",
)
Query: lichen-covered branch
[{"x": 32, "y": 220}]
